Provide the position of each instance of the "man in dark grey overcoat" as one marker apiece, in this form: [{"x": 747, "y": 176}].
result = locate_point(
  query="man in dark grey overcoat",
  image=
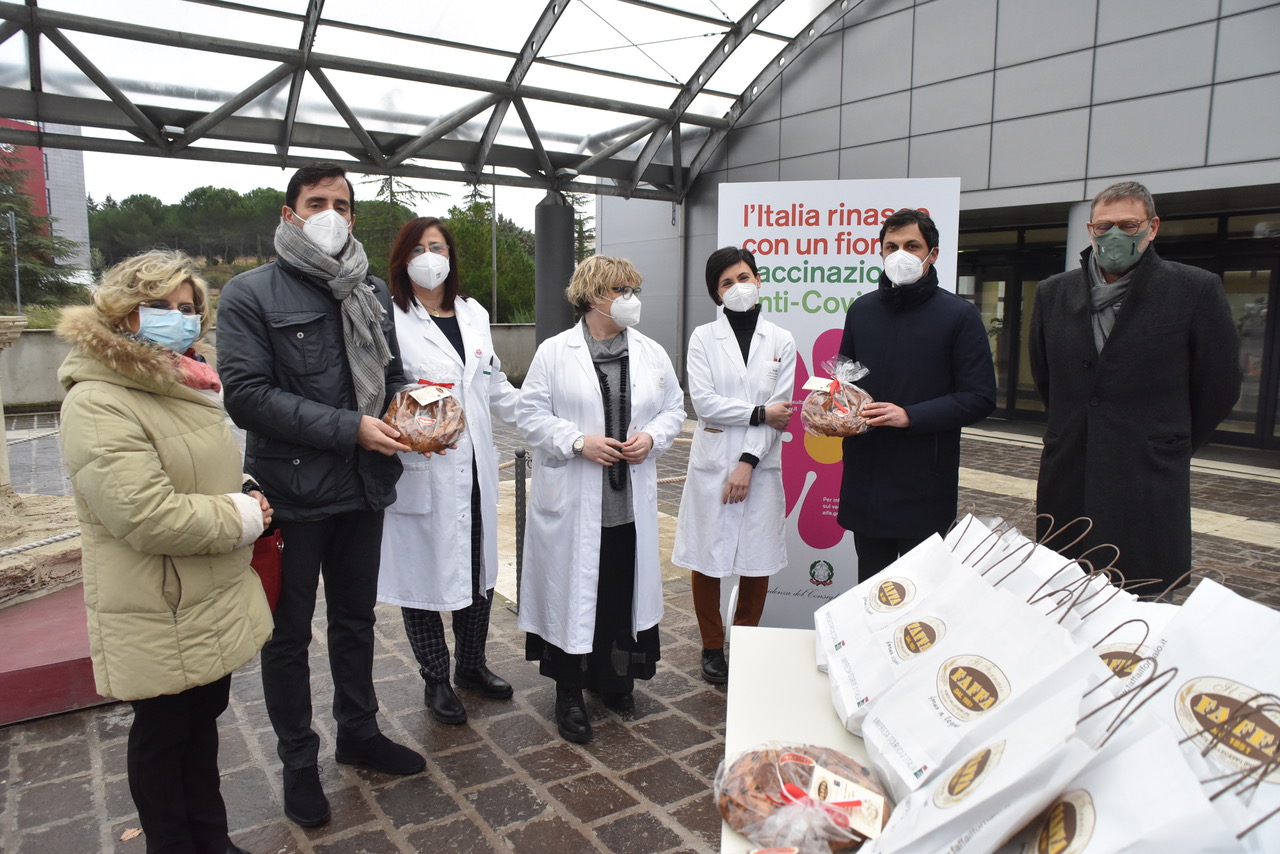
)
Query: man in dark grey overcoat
[{"x": 1137, "y": 361}]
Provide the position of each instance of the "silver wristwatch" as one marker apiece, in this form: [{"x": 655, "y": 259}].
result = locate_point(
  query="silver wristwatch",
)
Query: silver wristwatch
[{"x": 578, "y": 444}]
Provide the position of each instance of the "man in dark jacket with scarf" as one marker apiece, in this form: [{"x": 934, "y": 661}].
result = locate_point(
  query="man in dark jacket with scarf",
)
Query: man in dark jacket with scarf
[
  {"x": 1137, "y": 360},
  {"x": 930, "y": 372},
  {"x": 309, "y": 361}
]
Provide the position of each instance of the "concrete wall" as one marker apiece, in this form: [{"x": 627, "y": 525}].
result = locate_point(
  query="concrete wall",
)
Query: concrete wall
[
  {"x": 29, "y": 368},
  {"x": 1035, "y": 104}
]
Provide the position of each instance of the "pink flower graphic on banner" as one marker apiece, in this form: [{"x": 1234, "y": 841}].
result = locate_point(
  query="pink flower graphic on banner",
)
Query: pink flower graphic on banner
[{"x": 804, "y": 455}]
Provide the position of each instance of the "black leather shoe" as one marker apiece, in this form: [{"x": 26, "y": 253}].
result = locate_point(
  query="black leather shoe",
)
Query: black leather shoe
[
  {"x": 571, "y": 716},
  {"x": 304, "y": 800},
  {"x": 232, "y": 848},
  {"x": 381, "y": 754},
  {"x": 444, "y": 704},
  {"x": 482, "y": 680},
  {"x": 714, "y": 668},
  {"x": 620, "y": 703}
]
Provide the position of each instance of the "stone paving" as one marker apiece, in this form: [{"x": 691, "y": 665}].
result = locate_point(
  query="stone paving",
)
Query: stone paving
[{"x": 504, "y": 781}]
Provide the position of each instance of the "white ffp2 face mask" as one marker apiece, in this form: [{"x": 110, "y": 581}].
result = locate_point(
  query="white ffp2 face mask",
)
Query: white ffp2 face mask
[
  {"x": 625, "y": 310},
  {"x": 903, "y": 268},
  {"x": 327, "y": 230},
  {"x": 428, "y": 270},
  {"x": 741, "y": 296}
]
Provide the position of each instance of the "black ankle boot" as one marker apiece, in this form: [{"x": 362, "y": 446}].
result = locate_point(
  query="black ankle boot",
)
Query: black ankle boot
[
  {"x": 571, "y": 715},
  {"x": 714, "y": 668}
]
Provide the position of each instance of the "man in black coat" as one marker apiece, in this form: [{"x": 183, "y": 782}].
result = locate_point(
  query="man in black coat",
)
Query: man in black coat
[
  {"x": 309, "y": 361},
  {"x": 930, "y": 372},
  {"x": 1137, "y": 360}
]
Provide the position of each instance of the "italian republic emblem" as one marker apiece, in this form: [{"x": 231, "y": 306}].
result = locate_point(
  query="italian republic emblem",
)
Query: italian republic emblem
[{"x": 821, "y": 573}]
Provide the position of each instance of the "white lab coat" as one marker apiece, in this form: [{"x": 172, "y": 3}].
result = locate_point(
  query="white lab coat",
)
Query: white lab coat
[
  {"x": 426, "y": 536},
  {"x": 560, "y": 401},
  {"x": 747, "y": 538}
]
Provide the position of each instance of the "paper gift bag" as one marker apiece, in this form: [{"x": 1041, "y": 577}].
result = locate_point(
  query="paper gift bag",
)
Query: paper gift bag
[
  {"x": 1225, "y": 704},
  {"x": 870, "y": 663},
  {"x": 980, "y": 800},
  {"x": 934, "y": 713},
  {"x": 1137, "y": 796},
  {"x": 879, "y": 600}
]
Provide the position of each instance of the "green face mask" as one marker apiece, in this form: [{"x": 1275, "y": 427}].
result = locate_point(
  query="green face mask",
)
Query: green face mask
[{"x": 1116, "y": 251}]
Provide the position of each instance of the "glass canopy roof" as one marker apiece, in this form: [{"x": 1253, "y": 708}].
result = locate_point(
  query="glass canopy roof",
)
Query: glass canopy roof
[{"x": 623, "y": 97}]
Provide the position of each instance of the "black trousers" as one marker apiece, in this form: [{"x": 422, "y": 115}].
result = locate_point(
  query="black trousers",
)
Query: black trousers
[
  {"x": 346, "y": 550},
  {"x": 173, "y": 770},
  {"x": 875, "y": 553}
]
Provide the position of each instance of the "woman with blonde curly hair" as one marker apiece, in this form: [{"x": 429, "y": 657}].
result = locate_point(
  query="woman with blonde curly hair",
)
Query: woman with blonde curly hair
[
  {"x": 600, "y": 403},
  {"x": 167, "y": 522}
]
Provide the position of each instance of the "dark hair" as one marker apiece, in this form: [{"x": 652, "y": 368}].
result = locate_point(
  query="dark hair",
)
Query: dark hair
[
  {"x": 721, "y": 260},
  {"x": 908, "y": 216},
  {"x": 402, "y": 252},
  {"x": 312, "y": 174},
  {"x": 1124, "y": 191}
]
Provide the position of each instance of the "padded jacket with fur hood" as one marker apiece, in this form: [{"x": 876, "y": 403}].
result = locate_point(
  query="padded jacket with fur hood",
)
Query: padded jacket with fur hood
[{"x": 172, "y": 601}]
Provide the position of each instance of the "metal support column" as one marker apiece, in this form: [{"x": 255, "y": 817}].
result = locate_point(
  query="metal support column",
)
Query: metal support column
[{"x": 553, "y": 265}]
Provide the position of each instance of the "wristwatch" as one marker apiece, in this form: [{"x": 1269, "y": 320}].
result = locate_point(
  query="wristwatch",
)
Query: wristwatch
[{"x": 578, "y": 444}]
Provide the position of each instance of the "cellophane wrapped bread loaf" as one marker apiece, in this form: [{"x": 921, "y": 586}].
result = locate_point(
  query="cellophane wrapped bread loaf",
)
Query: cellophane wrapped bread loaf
[
  {"x": 814, "y": 799},
  {"x": 430, "y": 426},
  {"x": 837, "y": 409}
]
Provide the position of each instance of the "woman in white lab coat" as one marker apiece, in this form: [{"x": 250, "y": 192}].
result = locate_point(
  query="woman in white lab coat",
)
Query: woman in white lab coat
[
  {"x": 600, "y": 403},
  {"x": 741, "y": 371},
  {"x": 439, "y": 540}
]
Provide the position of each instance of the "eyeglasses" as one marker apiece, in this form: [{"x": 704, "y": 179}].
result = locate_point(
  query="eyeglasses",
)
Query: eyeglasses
[
  {"x": 1129, "y": 226},
  {"x": 626, "y": 290},
  {"x": 438, "y": 248},
  {"x": 185, "y": 308}
]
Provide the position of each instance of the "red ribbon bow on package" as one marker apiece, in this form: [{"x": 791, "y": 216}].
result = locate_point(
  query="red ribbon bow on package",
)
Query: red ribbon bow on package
[{"x": 440, "y": 385}]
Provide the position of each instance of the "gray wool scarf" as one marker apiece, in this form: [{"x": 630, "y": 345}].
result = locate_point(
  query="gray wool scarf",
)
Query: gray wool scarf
[
  {"x": 366, "y": 346},
  {"x": 1106, "y": 299}
]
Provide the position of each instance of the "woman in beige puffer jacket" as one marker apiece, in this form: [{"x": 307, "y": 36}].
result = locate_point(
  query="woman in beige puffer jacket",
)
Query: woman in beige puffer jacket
[{"x": 173, "y": 605}]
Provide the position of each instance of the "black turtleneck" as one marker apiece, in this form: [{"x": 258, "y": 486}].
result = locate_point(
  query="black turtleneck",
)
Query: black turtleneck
[
  {"x": 905, "y": 297},
  {"x": 743, "y": 324}
]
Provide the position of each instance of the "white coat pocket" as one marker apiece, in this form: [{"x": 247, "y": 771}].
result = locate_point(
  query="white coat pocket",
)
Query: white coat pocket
[
  {"x": 549, "y": 486},
  {"x": 707, "y": 453},
  {"x": 413, "y": 490}
]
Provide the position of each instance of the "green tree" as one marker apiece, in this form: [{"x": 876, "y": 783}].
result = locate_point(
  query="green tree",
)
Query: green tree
[
  {"x": 43, "y": 280},
  {"x": 377, "y": 224},
  {"x": 584, "y": 233},
  {"x": 472, "y": 229}
]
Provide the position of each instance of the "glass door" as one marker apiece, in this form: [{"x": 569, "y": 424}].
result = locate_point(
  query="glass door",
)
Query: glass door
[{"x": 1251, "y": 289}]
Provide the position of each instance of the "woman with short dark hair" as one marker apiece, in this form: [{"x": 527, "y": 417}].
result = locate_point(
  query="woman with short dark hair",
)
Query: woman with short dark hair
[{"x": 741, "y": 371}]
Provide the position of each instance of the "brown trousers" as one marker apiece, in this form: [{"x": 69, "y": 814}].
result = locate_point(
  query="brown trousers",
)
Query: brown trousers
[{"x": 752, "y": 590}]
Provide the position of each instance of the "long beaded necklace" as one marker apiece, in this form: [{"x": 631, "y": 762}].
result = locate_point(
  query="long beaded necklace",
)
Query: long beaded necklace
[{"x": 617, "y": 470}]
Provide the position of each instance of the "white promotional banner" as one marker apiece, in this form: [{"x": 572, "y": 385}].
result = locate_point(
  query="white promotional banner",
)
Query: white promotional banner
[{"x": 817, "y": 246}]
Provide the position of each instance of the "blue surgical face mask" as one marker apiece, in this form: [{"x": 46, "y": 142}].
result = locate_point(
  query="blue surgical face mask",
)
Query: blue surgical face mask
[{"x": 168, "y": 327}]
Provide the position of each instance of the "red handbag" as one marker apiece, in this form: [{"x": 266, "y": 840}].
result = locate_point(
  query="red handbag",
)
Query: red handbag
[{"x": 268, "y": 557}]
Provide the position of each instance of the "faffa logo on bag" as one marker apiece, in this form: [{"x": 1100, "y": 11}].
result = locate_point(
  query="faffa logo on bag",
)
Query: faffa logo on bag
[
  {"x": 1066, "y": 826},
  {"x": 916, "y": 636},
  {"x": 892, "y": 594},
  {"x": 970, "y": 685},
  {"x": 969, "y": 776},
  {"x": 1224, "y": 716},
  {"x": 1122, "y": 658}
]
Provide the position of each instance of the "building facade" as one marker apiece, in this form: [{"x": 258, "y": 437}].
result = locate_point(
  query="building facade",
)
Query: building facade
[{"x": 1036, "y": 105}]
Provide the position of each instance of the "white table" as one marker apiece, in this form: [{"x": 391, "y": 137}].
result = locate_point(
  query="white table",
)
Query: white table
[{"x": 777, "y": 693}]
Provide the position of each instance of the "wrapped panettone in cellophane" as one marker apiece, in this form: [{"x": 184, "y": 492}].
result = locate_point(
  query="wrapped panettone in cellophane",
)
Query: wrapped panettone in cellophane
[
  {"x": 427, "y": 415},
  {"x": 834, "y": 405},
  {"x": 812, "y": 799}
]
